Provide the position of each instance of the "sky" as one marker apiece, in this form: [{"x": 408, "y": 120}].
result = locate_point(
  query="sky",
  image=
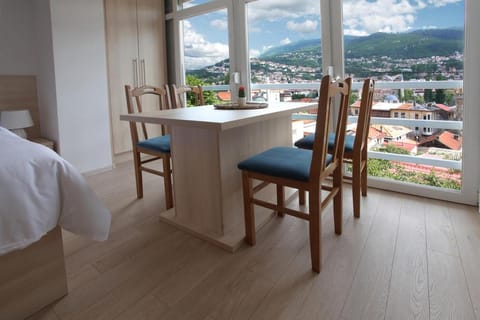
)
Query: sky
[{"x": 276, "y": 22}]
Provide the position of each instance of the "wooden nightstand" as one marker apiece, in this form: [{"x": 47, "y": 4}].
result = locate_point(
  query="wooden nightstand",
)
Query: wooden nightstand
[{"x": 47, "y": 143}]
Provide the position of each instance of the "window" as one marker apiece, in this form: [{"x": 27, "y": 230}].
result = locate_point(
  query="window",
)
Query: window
[
  {"x": 201, "y": 47},
  {"x": 275, "y": 32},
  {"x": 399, "y": 80},
  {"x": 418, "y": 80}
]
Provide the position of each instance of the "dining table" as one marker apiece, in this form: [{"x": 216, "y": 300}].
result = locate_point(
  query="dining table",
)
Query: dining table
[{"x": 206, "y": 145}]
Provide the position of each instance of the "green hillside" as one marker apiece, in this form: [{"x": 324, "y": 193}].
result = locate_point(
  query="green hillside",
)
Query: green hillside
[
  {"x": 381, "y": 53},
  {"x": 412, "y": 45}
]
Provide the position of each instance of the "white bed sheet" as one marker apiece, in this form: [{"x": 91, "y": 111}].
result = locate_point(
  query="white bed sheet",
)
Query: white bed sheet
[{"x": 40, "y": 190}]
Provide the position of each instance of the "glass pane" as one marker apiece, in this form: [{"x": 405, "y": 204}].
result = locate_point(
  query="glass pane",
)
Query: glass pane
[
  {"x": 284, "y": 48},
  {"x": 206, "y": 55},
  {"x": 415, "y": 52}
]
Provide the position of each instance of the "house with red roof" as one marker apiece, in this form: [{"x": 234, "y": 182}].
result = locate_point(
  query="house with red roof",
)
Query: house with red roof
[
  {"x": 449, "y": 140},
  {"x": 224, "y": 96}
]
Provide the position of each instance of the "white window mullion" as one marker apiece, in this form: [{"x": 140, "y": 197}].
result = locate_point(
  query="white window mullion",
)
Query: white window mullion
[
  {"x": 332, "y": 36},
  {"x": 239, "y": 58},
  {"x": 471, "y": 147},
  {"x": 178, "y": 49}
]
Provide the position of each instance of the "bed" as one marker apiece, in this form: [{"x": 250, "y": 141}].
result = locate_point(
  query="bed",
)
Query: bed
[{"x": 40, "y": 193}]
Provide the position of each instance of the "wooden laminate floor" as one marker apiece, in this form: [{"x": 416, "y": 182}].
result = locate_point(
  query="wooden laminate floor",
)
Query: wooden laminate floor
[{"x": 405, "y": 258}]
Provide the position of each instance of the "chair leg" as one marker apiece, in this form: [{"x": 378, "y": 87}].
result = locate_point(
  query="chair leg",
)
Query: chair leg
[
  {"x": 315, "y": 225},
  {"x": 138, "y": 174},
  {"x": 280, "y": 199},
  {"x": 301, "y": 197},
  {"x": 356, "y": 188},
  {"x": 167, "y": 182},
  {"x": 364, "y": 174},
  {"x": 338, "y": 200},
  {"x": 248, "y": 209}
]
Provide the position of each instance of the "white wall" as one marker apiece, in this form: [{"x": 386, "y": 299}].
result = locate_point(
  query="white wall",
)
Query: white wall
[
  {"x": 47, "y": 95},
  {"x": 17, "y": 42},
  {"x": 62, "y": 42},
  {"x": 79, "y": 51}
]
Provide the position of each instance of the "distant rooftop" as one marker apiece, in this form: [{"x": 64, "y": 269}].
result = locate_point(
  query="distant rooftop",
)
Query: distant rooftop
[{"x": 386, "y": 106}]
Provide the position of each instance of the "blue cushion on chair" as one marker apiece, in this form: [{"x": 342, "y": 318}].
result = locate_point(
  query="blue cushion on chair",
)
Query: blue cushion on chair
[
  {"x": 281, "y": 162},
  {"x": 307, "y": 142},
  {"x": 158, "y": 144}
]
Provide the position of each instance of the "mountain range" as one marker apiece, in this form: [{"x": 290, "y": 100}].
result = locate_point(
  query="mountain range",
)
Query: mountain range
[
  {"x": 411, "y": 45},
  {"x": 376, "y": 54}
]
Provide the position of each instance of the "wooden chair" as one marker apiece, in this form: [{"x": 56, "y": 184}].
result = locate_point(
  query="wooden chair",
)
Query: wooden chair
[
  {"x": 180, "y": 93},
  {"x": 355, "y": 147},
  {"x": 303, "y": 170},
  {"x": 158, "y": 147}
]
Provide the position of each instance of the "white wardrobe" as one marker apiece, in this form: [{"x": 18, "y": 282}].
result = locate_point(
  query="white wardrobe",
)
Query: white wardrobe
[{"x": 135, "y": 31}]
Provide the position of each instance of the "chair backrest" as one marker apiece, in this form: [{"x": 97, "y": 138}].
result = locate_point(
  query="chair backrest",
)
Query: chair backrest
[
  {"x": 180, "y": 94},
  {"x": 363, "y": 122},
  {"x": 145, "y": 98},
  {"x": 331, "y": 92}
]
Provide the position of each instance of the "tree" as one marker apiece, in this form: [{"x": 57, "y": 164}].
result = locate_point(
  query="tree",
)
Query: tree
[
  {"x": 353, "y": 98},
  {"x": 440, "y": 96},
  {"x": 419, "y": 99},
  {"x": 449, "y": 98},
  {"x": 408, "y": 95},
  {"x": 209, "y": 96},
  {"x": 428, "y": 95}
]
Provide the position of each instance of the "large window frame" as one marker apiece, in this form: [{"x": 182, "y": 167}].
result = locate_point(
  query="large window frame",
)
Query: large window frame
[{"x": 333, "y": 63}]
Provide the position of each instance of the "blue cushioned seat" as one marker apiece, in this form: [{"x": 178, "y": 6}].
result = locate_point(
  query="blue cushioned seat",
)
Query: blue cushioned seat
[
  {"x": 282, "y": 162},
  {"x": 307, "y": 142},
  {"x": 158, "y": 144}
]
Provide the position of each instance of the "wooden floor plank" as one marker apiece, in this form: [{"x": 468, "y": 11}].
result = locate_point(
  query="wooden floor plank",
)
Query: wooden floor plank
[
  {"x": 90, "y": 293},
  {"x": 466, "y": 224},
  {"x": 449, "y": 297},
  {"x": 408, "y": 296},
  {"x": 145, "y": 279},
  {"x": 235, "y": 289},
  {"x": 381, "y": 267},
  {"x": 147, "y": 308},
  {"x": 330, "y": 289},
  {"x": 287, "y": 296},
  {"x": 367, "y": 298},
  {"x": 440, "y": 234}
]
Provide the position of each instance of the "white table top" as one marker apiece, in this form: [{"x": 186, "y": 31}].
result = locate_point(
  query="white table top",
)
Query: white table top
[{"x": 209, "y": 117}]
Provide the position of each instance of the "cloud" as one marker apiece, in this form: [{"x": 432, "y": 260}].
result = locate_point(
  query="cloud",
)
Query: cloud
[
  {"x": 354, "y": 32},
  {"x": 363, "y": 17},
  {"x": 200, "y": 52},
  {"x": 285, "y": 41},
  {"x": 219, "y": 24},
  {"x": 265, "y": 48},
  {"x": 308, "y": 26},
  {"x": 366, "y": 17},
  {"x": 441, "y": 3},
  {"x": 274, "y": 10},
  {"x": 254, "y": 53}
]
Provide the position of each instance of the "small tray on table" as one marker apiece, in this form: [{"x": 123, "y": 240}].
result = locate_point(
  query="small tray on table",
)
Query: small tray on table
[{"x": 236, "y": 106}]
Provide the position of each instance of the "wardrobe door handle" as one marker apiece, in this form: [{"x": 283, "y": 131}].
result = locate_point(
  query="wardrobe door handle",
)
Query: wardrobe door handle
[
  {"x": 142, "y": 66},
  {"x": 135, "y": 73}
]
